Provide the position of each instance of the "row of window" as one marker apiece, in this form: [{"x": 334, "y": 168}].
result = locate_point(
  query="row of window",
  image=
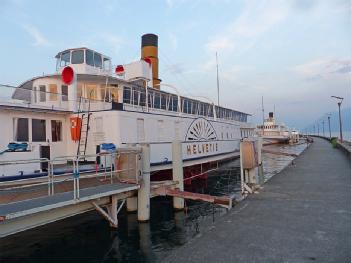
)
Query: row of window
[
  {"x": 44, "y": 93},
  {"x": 246, "y": 133},
  {"x": 157, "y": 100},
  {"x": 268, "y": 126},
  {"x": 166, "y": 101},
  {"x": 21, "y": 130},
  {"x": 40, "y": 93}
]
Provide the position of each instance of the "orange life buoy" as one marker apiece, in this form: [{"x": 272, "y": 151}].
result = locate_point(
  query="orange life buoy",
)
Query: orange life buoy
[{"x": 76, "y": 124}]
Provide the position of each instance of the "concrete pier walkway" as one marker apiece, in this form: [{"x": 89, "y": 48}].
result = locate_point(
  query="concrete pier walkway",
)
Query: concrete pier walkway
[{"x": 302, "y": 215}]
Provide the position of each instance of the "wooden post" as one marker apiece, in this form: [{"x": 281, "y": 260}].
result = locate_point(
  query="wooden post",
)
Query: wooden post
[
  {"x": 177, "y": 172},
  {"x": 113, "y": 211},
  {"x": 249, "y": 162},
  {"x": 144, "y": 191}
]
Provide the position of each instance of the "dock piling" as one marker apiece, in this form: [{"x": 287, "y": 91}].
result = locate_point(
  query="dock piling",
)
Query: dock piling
[
  {"x": 177, "y": 172},
  {"x": 144, "y": 191},
  {"x": 250, "y": 158}
]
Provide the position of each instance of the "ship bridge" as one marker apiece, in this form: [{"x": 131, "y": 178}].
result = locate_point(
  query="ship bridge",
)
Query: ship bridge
[{"x": 84, "y": 61}]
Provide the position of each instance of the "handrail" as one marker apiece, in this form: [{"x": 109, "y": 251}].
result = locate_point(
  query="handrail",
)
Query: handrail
[{"x": 75, "y": 174}]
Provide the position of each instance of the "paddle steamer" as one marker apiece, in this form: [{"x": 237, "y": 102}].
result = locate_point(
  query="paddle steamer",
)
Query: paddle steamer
[
  {"x": 88, "y": 102},
  {"x": 272, "y": 132}
]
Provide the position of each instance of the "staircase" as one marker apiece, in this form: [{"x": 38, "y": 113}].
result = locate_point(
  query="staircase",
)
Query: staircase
[{"x": 84, "y": 130}]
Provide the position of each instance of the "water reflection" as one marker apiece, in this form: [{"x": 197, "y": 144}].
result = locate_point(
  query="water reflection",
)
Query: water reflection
[{"x": 88, "y": 237}]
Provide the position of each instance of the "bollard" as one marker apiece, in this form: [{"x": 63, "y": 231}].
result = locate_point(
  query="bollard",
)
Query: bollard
[
  {"x": 132, "y": 204},
  {"x": 177, "y": 172},
  {"x": 249, "y": 161},
  {"x": 144, "y": 191}
]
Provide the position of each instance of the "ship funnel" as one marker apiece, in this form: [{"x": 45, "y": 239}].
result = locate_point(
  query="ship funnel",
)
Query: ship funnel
[
  {"x": 271, "y": 115},
  {"x": 149, "y": 49}
]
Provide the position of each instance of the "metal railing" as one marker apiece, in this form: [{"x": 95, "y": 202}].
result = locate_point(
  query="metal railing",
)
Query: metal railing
[{"x": 109, "y": 170}]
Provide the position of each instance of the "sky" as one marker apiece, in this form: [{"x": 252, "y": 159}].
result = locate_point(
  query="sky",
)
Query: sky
[{"x": 294, "y": 53}]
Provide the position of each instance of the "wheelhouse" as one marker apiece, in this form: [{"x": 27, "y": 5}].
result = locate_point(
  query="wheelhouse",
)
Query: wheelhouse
[{"x": 76, "y": 57}]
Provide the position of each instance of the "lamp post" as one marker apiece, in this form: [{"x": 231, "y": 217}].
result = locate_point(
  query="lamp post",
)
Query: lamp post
[
  {"x": 323, "y": 128},
  {"x": 329, "y": 126},
  {"x": 318, "y": 127},
  {"x": 314, "y": 129},
  {"x": 340, "y": 99}
]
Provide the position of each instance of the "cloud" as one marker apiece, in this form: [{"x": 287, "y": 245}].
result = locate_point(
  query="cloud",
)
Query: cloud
[
  {"x": 174, "y": 41},
  {"x": 324, "y": 68},
  {"x": 175, "y": 68},
  {"x": 39, "y": 38},
  {"x": 112, "y": 40},
  {"x": 257, "y": 18}
]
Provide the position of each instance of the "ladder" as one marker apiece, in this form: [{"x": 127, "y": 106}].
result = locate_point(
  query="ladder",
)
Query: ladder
[{"x": 84, "y": 130}]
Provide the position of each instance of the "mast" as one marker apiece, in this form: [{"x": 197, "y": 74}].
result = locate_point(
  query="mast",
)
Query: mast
[
  {"x": 262, "y": 117},
  {"x": 217, "y": 80}
]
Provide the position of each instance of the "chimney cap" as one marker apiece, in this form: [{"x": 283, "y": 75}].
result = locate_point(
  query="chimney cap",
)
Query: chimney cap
[{"x": 149, "y": 40}]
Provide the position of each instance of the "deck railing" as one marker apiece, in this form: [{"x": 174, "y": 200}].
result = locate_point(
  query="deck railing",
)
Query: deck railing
[{"x": 123, "y": 166}]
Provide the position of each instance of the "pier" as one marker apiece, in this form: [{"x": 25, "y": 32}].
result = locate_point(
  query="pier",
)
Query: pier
[
  {"x": 303, "y": 214},
  {"x": 26, "y": 204}
]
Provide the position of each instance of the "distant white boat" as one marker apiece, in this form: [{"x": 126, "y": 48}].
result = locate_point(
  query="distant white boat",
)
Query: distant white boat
[{"x": 271, "y": 132}]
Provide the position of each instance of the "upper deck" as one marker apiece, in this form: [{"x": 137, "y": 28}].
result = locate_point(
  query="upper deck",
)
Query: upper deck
[{"x": 100, "y": 88}]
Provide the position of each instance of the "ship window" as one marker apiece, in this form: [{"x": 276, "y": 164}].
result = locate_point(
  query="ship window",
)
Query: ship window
[
  {"x": 78, "y": 57},
  {"x": 157, "y": 100},
  {"x": 91, "y": 91},
  {"x": 21, "y": 130},
  {"x": 89, "y": 57},
  {"x": 135, "y": 97},
  {"x": 97, "y": 60},
  {"x": 64, "y": 90},
  {"x": 175, "y": 104},
  {"x": 38, "y": 130},
  {"x": 53, "y": 92},
  {"x": 42, "y": 91},
  {"x": 35, "y": 94},
  {"x": 163, "y": 101},
  {"x": 114, "y": 94},
  {"x": 104, "y": 94},
  {"x": 126, "y": 95},
  {"x": 56, "y": 131},
  {"x": 150, "y": 99},
  {"x": 106, "y": 64},
  {"x": 79, "y": 90},
  {"x": 185, "y": 105},
  {"x": 142, "y": 99},
  {"x": 65, "y": 59}
]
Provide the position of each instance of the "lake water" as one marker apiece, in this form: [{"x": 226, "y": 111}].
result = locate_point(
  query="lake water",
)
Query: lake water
[{"x": 88, "y": 237}]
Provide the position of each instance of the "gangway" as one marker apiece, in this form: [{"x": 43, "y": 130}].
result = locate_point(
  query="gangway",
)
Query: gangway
[{"x": 29, "y": 204}]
